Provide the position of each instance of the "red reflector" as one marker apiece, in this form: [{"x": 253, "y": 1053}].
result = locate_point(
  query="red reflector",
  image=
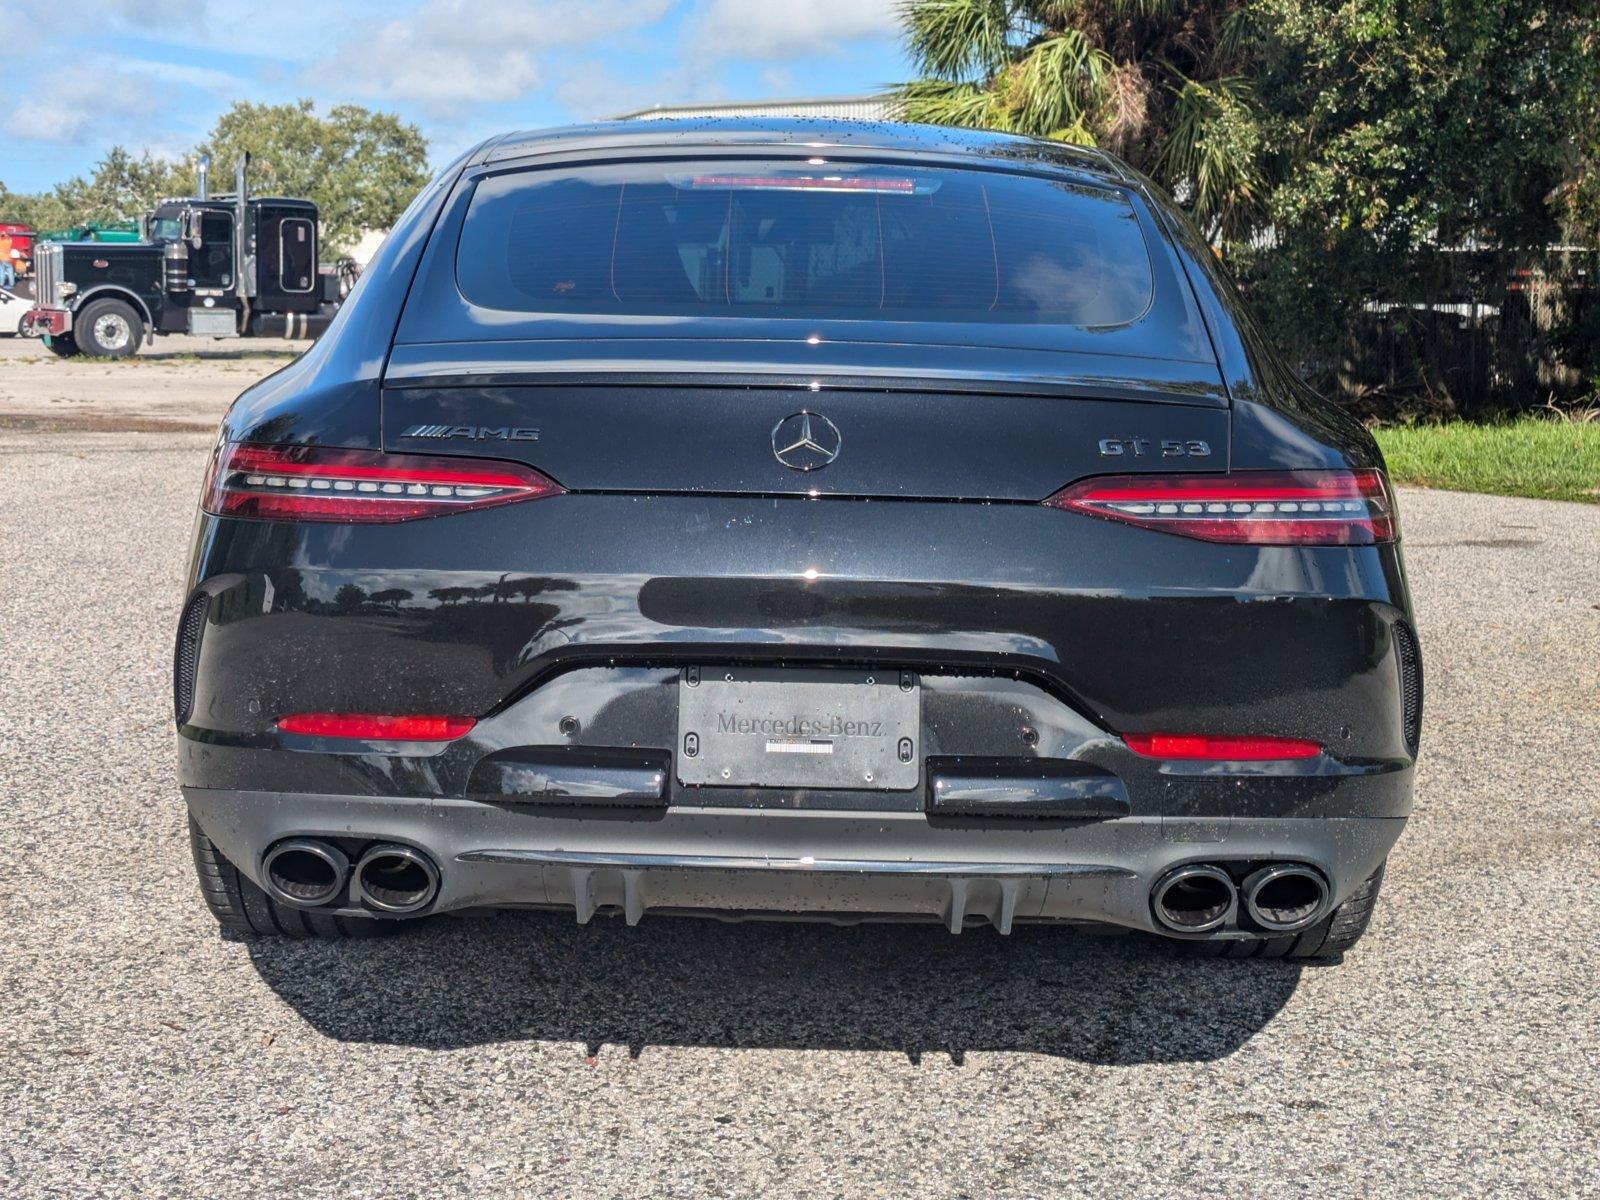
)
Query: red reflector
[
  {"x": 1263, "y": 508},
  {"x": 377, "y": 727},
  {"x": 315, "y": 483},
  {"x": 1233, "y": 749}
]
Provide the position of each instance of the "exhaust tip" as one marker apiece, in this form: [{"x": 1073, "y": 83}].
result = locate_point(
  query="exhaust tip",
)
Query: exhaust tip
[
  {"x": 1194, "y": 899},
  {"x": 1286, "y": 897},
  {"x": 304, "y": 873},
  {"x": 396, "y": 879}
]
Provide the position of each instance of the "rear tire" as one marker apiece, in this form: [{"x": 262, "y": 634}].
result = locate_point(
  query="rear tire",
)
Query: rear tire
[
  {"x": 241, "y": 907},
  {"x": 62, "y": 346},
  {"x": 108, "y": 329},
  {"x": 1328, "y": 938}
]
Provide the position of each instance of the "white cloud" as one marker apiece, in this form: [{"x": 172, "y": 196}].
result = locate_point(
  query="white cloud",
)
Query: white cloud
[
  {"x": 451, "y": 54},
  {"x": 778, "y": 81},
  {"x": 591, "y": 90},
  {"x": 208, "y": 79},
  {"x": 144, "y": 15},
  {"x": 84, "y": 102},
  {"x": 148, "y": 14},
  {"x": 764, "y": 29},
  {"x": 276, "y": 33}
]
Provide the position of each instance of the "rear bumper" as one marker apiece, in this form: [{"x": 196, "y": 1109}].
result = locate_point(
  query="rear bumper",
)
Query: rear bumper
[
  {"x": 824, "y": 864},
  {"x": 563, "y": 628},
  {"x": 45, "y": 322}
]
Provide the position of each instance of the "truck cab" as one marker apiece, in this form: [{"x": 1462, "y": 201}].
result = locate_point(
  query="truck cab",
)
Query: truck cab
[{"x": 211, "y": 266}]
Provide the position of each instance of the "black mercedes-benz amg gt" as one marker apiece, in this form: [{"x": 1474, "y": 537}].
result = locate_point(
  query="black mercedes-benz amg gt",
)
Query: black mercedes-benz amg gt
[{"x": 806, "y": 518}]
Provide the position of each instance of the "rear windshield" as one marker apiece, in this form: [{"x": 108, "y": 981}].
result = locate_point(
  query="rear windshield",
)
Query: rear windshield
[{"x": 804, "y": 240}]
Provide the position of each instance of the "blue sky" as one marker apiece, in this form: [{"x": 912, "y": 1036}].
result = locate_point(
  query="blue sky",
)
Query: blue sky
[{"x": 156, "y": 73}]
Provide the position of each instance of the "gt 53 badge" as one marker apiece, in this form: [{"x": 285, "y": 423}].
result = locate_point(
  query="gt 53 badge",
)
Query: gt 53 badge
[{"x": 1139, "y": 447}]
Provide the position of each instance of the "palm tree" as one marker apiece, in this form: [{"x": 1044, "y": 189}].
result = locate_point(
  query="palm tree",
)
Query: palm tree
[{"x": 1162, "y": 83}]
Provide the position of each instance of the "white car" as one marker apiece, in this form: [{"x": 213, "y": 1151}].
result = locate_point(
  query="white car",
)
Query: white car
[{"x": 12, "y": 306}]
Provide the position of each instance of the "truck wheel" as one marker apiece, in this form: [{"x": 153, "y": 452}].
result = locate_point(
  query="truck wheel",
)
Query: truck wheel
[
  {"x": 242, "y": 907},
  {"x": 108, "y": 329},
  {"x": 63, "y": 346},
  {"x": 1328, "y": 938}
]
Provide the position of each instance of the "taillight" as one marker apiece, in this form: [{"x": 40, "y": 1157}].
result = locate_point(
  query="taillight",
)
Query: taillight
[
  {"x": 1262, "y": 508},
  {"x": 377, "y": 727},
  {"x": 316, "y": 483},
  {"x": 1219, "y": 749}
]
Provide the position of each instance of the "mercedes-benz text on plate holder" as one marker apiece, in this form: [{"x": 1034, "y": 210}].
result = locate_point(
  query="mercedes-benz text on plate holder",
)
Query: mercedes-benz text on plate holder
[{"x": 799, "y": 729}]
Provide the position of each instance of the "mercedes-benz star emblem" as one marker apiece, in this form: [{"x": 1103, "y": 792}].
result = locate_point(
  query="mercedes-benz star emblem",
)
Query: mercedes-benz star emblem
[{"x": 806, "y": 441}]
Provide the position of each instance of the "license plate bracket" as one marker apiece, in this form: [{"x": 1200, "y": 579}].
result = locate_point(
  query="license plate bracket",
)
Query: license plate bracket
[{"x": 754, "y": 727}]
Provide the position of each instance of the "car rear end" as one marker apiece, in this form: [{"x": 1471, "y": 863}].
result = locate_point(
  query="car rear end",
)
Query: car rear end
[{"x": 859, "y": 534}]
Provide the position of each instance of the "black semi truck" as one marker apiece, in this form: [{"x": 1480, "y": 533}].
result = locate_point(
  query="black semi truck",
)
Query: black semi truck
[{"x": 213, "y": 266}]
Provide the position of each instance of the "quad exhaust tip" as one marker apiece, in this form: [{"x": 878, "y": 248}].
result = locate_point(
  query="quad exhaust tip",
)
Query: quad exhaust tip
[
  {"x": 395, "y": 879},
  {"x": 304, "y": 872},
  {"x": 1194, "y": 899},
  {"x": 1285, "y": 898}
]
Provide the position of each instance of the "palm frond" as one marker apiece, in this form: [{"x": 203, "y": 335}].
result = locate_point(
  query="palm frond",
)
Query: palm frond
[
  {"x": 1238, "y": 35},
  {"x": 1214, "y": 146},
  {"x": 1149, "y": 9},
  {"x": 958, "y": 39},
  {"x": 1060, "y": 80},
  {"x": 1077, "y": 134},
  {"x": 964, "y": 105},
  {"x": 1123, "y": 115}
]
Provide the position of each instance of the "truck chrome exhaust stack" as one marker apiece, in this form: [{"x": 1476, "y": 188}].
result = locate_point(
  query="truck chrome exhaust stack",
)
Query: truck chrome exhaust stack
[
  {"x": 304, "y": 872},
  {"x": 1194, "y": 899},
  {"x": 396, "y": 879},
  {"x": 1286, "y": 897}
]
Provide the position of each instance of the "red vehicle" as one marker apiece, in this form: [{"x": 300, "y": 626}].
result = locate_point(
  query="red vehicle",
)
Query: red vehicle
[{"x": 16, "y": 246}]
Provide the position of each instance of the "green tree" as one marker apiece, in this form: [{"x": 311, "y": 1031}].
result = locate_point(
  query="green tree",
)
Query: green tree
[
  {"x": 361, "y": 167},
  {"x": 393, "y": 597},
  {"x": 1161, "y": 83},
  {"x": 41, "y": 210},
  {"x": 1423, "y": 151},
  {"x": 123, "y": 187},
  {"x": 1337, "y": 151}
]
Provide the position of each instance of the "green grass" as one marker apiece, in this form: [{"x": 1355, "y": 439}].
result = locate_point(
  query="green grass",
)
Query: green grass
[{"x": 1533, "y": 456}]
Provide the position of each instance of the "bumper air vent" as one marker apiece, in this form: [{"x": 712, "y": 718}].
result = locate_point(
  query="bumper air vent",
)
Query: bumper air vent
[
  {"x": 187, "y": 656},
  {"x": 1410, "y": 683}
]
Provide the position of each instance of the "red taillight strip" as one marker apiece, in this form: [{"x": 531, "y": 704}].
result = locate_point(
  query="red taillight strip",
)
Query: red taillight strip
[
  {"x": 1277, "y": 508},
  {"x": 1219, "y": 749},
  {"x": 377, "y": 727},
  {"x": 805, "y": 183},
  {"x": 352, "y": 465},
  {"x": 314, "y": 483}
]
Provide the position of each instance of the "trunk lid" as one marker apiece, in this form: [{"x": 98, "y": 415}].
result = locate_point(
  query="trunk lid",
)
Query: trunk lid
[{"x": 898, "y": 439}]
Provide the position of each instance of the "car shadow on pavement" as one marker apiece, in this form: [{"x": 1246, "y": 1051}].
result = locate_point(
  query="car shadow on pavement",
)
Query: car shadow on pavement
[{"x": 512, "y": 976}]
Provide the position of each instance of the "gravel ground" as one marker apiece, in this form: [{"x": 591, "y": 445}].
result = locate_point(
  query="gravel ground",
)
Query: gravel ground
[
  {"x": 1455, "y": 1052},
  {"x": 177, "y": 385}
]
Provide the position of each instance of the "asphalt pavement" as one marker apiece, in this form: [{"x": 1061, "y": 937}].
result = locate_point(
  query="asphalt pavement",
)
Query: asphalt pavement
[{"x": 1454, "y": 1052}]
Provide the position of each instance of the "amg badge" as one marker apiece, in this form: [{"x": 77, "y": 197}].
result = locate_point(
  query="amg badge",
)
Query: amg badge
[{"x": 473, "y": 433}]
